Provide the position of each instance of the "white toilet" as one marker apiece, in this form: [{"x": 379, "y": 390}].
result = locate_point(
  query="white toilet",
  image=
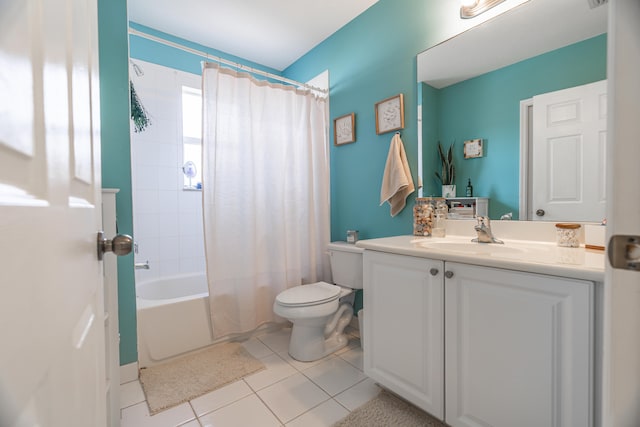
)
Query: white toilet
[{"x": 315, "y": 310}]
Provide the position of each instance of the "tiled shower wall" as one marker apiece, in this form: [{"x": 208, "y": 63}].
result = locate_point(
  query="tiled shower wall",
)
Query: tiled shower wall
[{"x": 167, "y": 220}]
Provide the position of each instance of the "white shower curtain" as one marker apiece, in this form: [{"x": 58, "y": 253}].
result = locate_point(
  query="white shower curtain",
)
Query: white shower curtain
[{"x": 265, "y": 195}]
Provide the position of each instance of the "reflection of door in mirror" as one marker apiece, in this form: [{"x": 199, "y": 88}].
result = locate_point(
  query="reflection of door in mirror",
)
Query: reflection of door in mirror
[{"x": 568, "y": 154}]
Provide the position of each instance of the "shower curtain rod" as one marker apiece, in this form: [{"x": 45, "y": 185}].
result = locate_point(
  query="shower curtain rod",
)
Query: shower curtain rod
[{"x": 224, "y": 61}]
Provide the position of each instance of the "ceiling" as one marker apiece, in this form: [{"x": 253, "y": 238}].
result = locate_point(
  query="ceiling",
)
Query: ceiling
[{"x": 274, "y": 33}]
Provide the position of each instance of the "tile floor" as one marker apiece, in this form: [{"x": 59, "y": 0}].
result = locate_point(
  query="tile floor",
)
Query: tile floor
[{"x": 287, "y": 393}]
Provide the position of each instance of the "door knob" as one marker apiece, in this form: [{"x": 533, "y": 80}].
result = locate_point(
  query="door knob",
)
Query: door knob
[
  {"x": 119, "y": 245},
  {"x": 624, "y": 252},
  {"x": 540, "y": 212}
]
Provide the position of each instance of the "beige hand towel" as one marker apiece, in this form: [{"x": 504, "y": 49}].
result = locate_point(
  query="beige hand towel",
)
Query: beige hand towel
[{"x": 396, "y": 182}]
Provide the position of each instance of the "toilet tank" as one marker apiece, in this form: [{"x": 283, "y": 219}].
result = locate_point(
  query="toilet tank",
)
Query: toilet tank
[{"x": 346, "y": 264}]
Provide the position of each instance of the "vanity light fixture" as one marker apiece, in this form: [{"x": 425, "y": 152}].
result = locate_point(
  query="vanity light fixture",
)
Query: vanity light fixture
[
  {"x": 473, "y": 8},
  {"x": 595, "y": 3}
]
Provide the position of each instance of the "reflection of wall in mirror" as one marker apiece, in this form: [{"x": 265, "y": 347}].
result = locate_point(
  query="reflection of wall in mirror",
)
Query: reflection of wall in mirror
[{"x": 488, "y": 105}]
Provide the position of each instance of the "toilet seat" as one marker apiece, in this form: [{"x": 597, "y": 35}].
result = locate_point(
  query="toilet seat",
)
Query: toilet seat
[{"x": 307, "y": 295}]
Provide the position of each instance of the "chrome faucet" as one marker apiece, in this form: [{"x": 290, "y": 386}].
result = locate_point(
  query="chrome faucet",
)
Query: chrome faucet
[
  {"x": 507, "y": 216},
  {"x": 142, "y": 265},
  {"x": 483, "y": 228}
]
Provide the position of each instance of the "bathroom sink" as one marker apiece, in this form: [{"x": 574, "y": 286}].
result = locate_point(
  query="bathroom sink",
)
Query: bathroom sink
[{"x": 472, "y": 247}]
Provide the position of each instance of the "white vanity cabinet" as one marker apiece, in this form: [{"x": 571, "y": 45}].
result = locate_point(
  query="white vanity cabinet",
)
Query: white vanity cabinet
[
  {"x": 506, "y": 348},
  {"x": 403, "y": 327}
]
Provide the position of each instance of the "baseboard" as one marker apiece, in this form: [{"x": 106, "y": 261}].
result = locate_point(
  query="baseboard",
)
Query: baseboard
[{"x": 128, "y": 372}]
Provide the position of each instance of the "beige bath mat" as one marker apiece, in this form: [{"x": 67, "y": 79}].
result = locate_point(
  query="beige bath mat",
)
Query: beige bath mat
[
  {"x": 191, "y": 376},
  {"x": 387, "y": 410}
]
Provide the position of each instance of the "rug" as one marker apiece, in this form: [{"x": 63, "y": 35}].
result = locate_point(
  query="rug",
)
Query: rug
[
  {"x": 386, "y": 410},
  {"x": 188, "y": 377}
]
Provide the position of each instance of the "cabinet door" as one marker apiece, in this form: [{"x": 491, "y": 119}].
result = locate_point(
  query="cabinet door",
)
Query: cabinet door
[
  {"x": 518, "y": 349},
  {"x": 403, "y": 330}
]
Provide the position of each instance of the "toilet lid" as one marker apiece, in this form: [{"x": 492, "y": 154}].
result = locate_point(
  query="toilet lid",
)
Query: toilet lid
[{"x": 315, "y": 293}]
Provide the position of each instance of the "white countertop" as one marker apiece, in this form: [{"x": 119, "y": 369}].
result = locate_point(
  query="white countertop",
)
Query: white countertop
[{"x": 520, "y": 255}]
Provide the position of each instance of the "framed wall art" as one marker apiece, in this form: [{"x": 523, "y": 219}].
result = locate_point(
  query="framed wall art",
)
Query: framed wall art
[
  {"x": 390, "y": 114},
  {"x": 344, "y": 129},
  {"x": 473, "y": 148}
]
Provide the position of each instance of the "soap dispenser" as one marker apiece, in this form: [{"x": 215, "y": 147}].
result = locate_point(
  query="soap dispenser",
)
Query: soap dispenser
[{"x": 469, "y": 189}]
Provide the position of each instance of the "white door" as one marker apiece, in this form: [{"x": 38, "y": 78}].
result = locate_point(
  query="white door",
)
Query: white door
[
  {"x": 622, "y": 287},
  {"x": 51, "y": 314},
  {"x": 569, "y": 154}
]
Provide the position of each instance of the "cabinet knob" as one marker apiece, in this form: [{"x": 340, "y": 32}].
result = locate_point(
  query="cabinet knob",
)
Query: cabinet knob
[
  {"x": 540, "y": 212},
  {"x": 448, "y": 274},
  {"x": 434, "y": 271}
]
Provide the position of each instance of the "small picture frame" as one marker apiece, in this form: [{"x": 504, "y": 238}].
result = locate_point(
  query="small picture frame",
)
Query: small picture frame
[
  {"x": 390, "y": 114},
  {"x": 344, "y": 129},
  {"x": 473, "y": 148}
]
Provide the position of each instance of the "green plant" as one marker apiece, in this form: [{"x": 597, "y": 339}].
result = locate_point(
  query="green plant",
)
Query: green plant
[
  {"x": 138, "y": 112},
  {"x": 448, "y": 174}
]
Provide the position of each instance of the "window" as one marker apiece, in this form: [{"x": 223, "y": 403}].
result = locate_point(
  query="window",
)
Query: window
[{"x": 192, "y": 137}]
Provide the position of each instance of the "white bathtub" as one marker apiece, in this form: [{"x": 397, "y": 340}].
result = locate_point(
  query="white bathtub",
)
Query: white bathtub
[{"x": 173, "y": 317}]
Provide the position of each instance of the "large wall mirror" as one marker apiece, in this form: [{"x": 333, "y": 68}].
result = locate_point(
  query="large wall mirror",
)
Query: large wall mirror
[{"x": 482, "y": 84}]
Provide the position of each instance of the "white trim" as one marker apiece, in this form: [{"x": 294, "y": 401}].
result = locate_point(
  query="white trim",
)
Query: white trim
[
  {"x": 420, "y": 190},
  {"x": 321, "y": 81},
  {"x": 128, "y": 372},
  {"x": 523, "y": 207}
]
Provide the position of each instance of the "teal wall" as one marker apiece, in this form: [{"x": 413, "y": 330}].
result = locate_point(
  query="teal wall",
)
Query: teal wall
[
  {"x": 370, "y": 59},
  {"x": 488, "y": 107},
  {"x": 116, "y": 158}
]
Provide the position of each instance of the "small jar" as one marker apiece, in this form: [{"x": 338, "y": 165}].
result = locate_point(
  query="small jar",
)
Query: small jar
[
  {"x": 440, "y": 219},
  {"x": 423, "y": 216},
  {"x": 567, "y": 235},
  {"x": 352, "y": 236}
]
